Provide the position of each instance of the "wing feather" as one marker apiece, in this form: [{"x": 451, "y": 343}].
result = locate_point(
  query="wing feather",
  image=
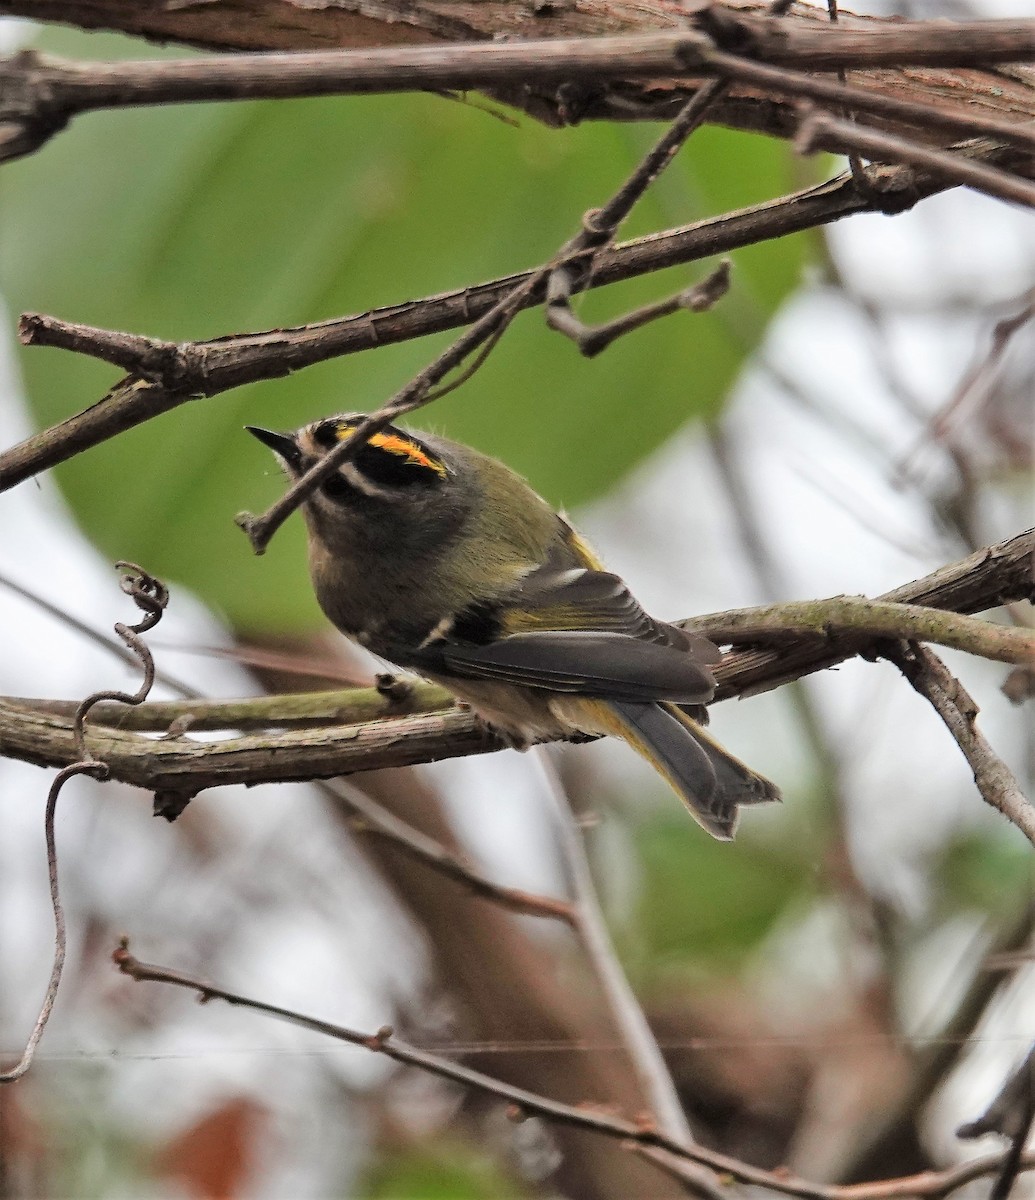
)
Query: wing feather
[
  {"x": 568, "y": 627},
  {"x": 606, "y": 665}
]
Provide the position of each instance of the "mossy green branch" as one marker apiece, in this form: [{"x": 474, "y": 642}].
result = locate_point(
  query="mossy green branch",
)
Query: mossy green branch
[
  {"x": 336, "y": 733},
  {"x": 345, "y": 706},
  {"x": 858, "y": 616}
]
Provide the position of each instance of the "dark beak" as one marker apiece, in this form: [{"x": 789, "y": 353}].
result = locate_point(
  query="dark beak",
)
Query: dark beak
[{"x": 283, "y": 445}]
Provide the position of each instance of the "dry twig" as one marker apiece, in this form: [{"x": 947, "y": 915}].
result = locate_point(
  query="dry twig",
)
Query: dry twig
[
  {"x": 931, "y": 1185},
  {"x": 598, "y": 229},
  {"x": 164, "y": 375},
  {"x": 995, "y": 781}
]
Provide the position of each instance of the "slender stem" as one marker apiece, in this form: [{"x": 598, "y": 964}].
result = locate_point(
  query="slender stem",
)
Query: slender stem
[
  {"x": 372, "y": 819},
  {"x": 928, "y": 1186},
  {"x": 647, "y": 1059},
  {"x": 164, "y": 375},
  {"x": 995, "y": 781},
  {"x": 819, "y": 131}
]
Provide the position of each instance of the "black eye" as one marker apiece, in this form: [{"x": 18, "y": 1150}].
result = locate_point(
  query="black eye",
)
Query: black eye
[{"x": 337, "y": 489}]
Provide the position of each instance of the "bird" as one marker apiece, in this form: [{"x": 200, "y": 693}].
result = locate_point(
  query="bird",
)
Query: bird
[{"x": 443, "y": 561}]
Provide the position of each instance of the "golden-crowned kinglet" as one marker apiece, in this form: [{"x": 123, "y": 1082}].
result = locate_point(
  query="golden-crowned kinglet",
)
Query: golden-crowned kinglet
[{"x": 440, "y": 559}]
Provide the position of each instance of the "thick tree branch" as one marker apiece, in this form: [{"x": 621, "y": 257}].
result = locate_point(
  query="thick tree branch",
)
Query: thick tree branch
[
  {"x": 344, "y": 706},
  {"x": 288, "y": 25},
  {"x": 40, "y": 95},
  {"x": 178, "y": 766},
  {"x": 990, "y": 577},
  {"x": 875, "y": 618}
]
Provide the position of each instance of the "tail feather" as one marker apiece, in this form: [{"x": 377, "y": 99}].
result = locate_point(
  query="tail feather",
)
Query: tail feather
[{"x": 712, "y": 783}]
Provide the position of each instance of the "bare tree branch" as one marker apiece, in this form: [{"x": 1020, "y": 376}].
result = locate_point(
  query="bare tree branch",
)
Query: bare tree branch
[
  {"x": 995, "y": 781},
  {"x": 1006, "y": 572},
  {"x": 928, "y": 1186},
  {"x": 890, "y": 105},
  {"x": 598, "y": 229},
  {"x": 165, "y": 375},
  {"x": 655, "y": 1080},
  {"x": 40, "y": 95},
  {"x": 820, "y": 131},
  {"x": 42, "y": 732},
  {"x": 371, "y": 819},
  {"x": 854, "y": 615},
  {"x": 284, "y": 24}
]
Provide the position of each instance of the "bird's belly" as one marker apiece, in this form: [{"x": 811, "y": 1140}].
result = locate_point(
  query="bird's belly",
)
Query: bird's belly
[{"x": 524, "y": 715}]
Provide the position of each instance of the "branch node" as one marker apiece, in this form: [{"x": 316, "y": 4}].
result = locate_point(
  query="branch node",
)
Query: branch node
[
  {"x": 1019, "y": 685},
  {"x": 594, "y": 228},
  {"x": 395, "y": 688},
  {"x": 169, "y": 803},
  {"x": 592, "y": 339},
  {"x": 255, "y": 529},
  {"x": 726, "y": 29}
]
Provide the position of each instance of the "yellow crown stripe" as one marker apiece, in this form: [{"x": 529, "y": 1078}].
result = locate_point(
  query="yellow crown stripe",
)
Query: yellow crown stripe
[{"x": 401, "y": 447}]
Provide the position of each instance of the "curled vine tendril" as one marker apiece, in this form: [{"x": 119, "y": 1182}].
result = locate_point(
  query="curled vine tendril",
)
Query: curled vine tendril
[{"x": 151, "y": 596}]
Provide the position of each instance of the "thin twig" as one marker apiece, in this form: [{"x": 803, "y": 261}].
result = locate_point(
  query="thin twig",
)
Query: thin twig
[
  {"x": 415, "y": 393},
  {"x": 820, "y": 131},
  {"x": 598, "y": 228},
  {"x": 868, "y": 916},
  {"x": 995, "y": 781},
  {"x": 934, "y": 1058},
  {"x": 653, "y": 1074},
  {"x": 1011, "y": 1114},
  {"x": 368, "y": 818},
  {"x": 1002, "y": 335},
  {"x": 1008, "y": 1112},
  {"x": 849, "y": 96},
  {"x": 637, "y": 1037},
  {"x": 592, "y": 339},
  {"x": 929, "y": 1185},
  {"x": 191, "y": 369}
]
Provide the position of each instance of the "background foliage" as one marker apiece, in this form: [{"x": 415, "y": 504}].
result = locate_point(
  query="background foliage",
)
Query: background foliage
[{"x": 195, "y": 221}]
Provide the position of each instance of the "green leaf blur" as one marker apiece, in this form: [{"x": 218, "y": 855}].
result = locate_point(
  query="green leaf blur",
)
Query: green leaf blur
[
  {"x": 447, "y": 1172},
  {"x": 983, "y": 871},
  {"x": 197, "y": 221},
  {"x": 706, "y": 902}
]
